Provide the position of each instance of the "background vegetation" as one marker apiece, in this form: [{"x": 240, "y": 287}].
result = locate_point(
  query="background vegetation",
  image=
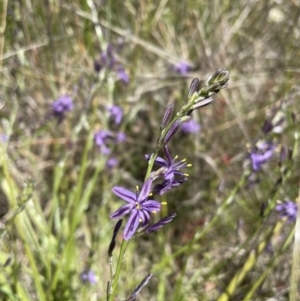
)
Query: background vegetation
[{"x": 227, "y": 241}]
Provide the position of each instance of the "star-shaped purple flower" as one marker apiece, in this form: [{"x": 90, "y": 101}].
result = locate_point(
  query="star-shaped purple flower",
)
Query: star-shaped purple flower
[
  {"x": 139, "y": 208},
  {"x": 172, "y": 168},
  {"x": 173, "y": 177}
]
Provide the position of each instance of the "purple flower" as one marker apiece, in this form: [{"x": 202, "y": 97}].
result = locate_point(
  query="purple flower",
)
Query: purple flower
[
  {"x": 4, "y": 138},
  {"x": 182, "y": 68},
  {"x": 120, "y": 137},
  {"x": 101, "y": 138},
  {"x": 287, "y": 209},
  {"x": 261, "y": 155},
  {"x": 172, "y": 168},
  {"x": 138, "y": 206},
  {"x": 122, "y": 75},
  {"x": 190, "y": 127},
  {"x": 107, "y": 57},
  {"x": 116, "y": 113},
  {"x": 111, "y": 162},
  {"x": 107, "y": 60},
  {"x": 88, "y": 276},
  {"x": 61, "y": 106},
  {"x": 173, "y": 177}
]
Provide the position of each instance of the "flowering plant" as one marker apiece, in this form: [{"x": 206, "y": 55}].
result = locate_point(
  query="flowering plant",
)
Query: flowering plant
[{"x": 139, "y": 206}]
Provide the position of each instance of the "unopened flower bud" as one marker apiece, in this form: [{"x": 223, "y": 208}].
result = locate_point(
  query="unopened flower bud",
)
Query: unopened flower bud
[
  {"x": 194, "y": 87},
  {"x": 221, "y": 77},
  {"x": 172, "y": 131},
  {"x": 202, "y": 103},
  {"x": 167, "y": 116},
  {"x": 113, "y": 240}
]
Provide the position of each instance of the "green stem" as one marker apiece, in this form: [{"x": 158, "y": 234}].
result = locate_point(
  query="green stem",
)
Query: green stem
[
  {"x": 116, "y": 277},
  {"x": 126, "y": 243},
  {"x": 271, "y": 265}
]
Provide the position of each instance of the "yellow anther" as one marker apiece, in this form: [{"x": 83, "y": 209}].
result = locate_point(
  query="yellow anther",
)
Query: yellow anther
[
  {"x": 140, "y": 220},
  {"x": 150, "y": 194},
  {"x": 164, "y": 203},
  {"x": 154, "y": 212},
  {"x": 175, "y": 157},
  {"x": 189, "y": 165},
  {"x": 186, "y": 174},
  {"x": 137, "y": 188},
  {"x": 183, "y": 160}
]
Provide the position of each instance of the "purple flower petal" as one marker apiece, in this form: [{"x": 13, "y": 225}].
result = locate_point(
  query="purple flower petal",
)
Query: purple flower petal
[
  {"x": 145, "y": 217},
  {"x": 145, "y": 190},
  {"x": 168, "y": 156},
  {"x": 125, "y": 209},
  {"x": 161, "y": 223},
  {"x": 132, "y": 225},
  {"x": 151, "y": 206},
  {"x": 159, "y": 160},
  {"x": 125, "y": 194}
]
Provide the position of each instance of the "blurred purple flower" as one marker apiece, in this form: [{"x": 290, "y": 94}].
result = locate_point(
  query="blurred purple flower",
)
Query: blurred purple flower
[
  {"x": 111, "y": 162},
  {"x": 287, "y": 209},
  {"x": 122, "y": 75},
  {"x": 120, "y": 137},
  {"x": 97, "y": 66},
  {"x": 4, "y": 138},
  {"x": 107, "y": 60},
  {"x": 107, "y": 57},
  {"x": 190, "y": 127},
  {"x": 88, "y": 276},
  {"x": 261, "y": 155},
  {"x": 101, "y": 138},
  {"x": 116, "y": 113},
  {"x": 61, "y": 106},
  {"x": 182, "y": 68},
  {"x": 139, "y": 207}
]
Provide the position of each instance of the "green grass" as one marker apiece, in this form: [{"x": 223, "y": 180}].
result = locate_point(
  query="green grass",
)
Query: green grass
[{"x": 55, "y": 185}]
